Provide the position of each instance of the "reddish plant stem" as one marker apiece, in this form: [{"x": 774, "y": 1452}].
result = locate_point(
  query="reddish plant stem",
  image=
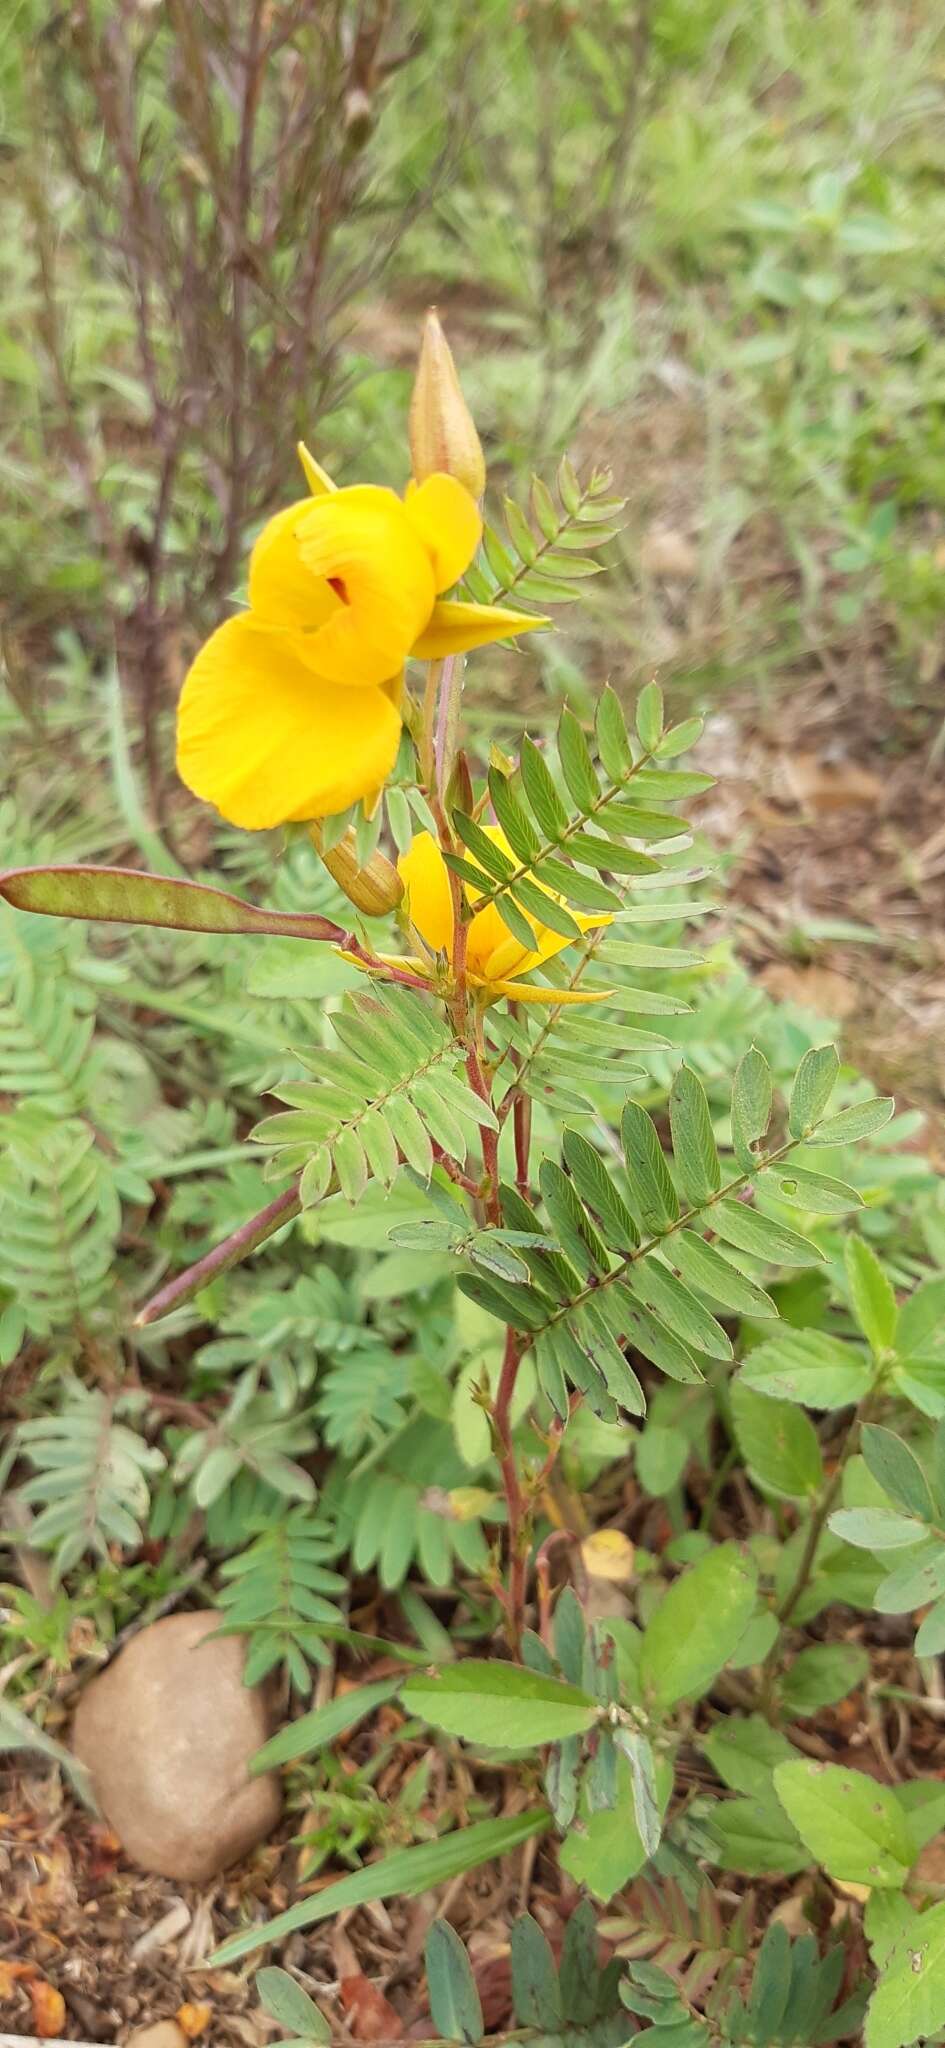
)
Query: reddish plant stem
[{"x": 514, "y": 1496}]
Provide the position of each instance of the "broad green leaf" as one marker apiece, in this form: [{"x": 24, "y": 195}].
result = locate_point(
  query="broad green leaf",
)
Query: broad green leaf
[
  {"x": 744, "y": 1750},
  {"x": 608, "y": 1852},
  {"x": 923, "y": 1803},
  {"x": 809, "y": 1367},
  {"x": 703, "y": 1266},
  {"x": 404, "y": 1874},
  {"x": 756, "y": 1838},
  {"x": 920, "y": 1579},
  {"x": 576, "y": 764},
  {"x": 499, "y": 1705},
  {"x": 570, "y": 1635},
  {"x": 580, "y": 1974},
  {"x": 909, "y": 2001},
  {"x": 613, "y": 743},
  {"x": 921, "y": 1323},
  {"x": 778, "y": 1443},
  {"x": 651, "y": 1187},
  {"x": 871, "y": 1295},
  {"x": 751, "y": 1232},
  {"x": 877, "y": 1528},
  {"x": 897, "y": 1470},
  {"x": 595, "y": 1186},
  {"x": 813, "y": 1087},
  {"x": 751, "y": 1106},
  {"x": 546, "y": 805},
  {"x": 694, "y": 1148},
  {"x": 811, "y": 1191},
  {"x": 861, "y": 1120},
  {"x": 661, "y": 1456},
  {"x": 852, "y": 1824},
  {"x": 536, "y": 1993},
  {"x": 646, "y": 1812},
  {"x": 323, "y": 1725},
  {"x": 122, "y": 896},
  {"x": 822, "y": 1674},
  {"x": 650, "y": 716},
  {"x": 455, "y": 2005},
  {"x": 284, "y": 2000},
  {"x": 681, "y": 1310},
  {"x": 930, "y": 1635},
  {"x": 697, "y": 1626}
]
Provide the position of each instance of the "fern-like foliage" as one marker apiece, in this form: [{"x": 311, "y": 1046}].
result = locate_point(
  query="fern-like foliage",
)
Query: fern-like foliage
[
  {"x": 59, "y": 1222},
  {"x": 91, "y": 1473},
  {"x": 254, "y": 1436},
  {"x": 547, "y": 551},
  {"x": 790, "y": 2004},
  {"x": 691, "y": 1940},
  {"x": 413, "y": 1504},
  {"x": 388, "y": 1092},
  {"x": 637, "y": 1260},
  {"x": 44, "y": 1032},
  {"x": 602, "y": 818},
  {"x": 575, "y": 2004},
  {"x": 274, "y": 1592}
]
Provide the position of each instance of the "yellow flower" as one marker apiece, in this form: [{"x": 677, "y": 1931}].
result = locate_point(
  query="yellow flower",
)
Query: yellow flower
[
  {"x": 495, "y": 960},
  {"x": 291, "y": 711}
]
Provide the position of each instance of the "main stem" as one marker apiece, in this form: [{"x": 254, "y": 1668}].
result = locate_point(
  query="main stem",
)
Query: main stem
[{"x": 438, "y": 751}]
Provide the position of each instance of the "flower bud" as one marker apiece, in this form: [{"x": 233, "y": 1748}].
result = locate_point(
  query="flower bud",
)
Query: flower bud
[
  {"x": 443, "y": 436},
  {"x": 374, "y": 889}
]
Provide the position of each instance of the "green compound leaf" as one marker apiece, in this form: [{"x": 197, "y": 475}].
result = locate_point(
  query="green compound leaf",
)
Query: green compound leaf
[
  {"x": 852, "y": 1825},
  {"x": 500, "y": 1705}
]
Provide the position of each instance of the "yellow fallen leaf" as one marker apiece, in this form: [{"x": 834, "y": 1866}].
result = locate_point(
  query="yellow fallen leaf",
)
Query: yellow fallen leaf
[
  {"x": 608, "y": 1554},
  {"x": 193, "y": 2019}
]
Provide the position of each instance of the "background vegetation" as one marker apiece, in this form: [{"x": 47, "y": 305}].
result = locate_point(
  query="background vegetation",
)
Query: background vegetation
[{"x": 700, "y": 243}]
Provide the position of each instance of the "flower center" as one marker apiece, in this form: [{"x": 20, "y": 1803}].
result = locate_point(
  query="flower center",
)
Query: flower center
[{"x": 340, "y": 588}]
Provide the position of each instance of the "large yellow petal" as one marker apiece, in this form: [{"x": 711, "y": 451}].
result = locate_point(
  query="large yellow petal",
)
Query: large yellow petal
[
  {"x": 526, "y": 992},
  {"x": 361, "y": 539},
  {"x": 282, "y": 590},
  {"x": 449, "y": 524},
  {"x": 266, "y": 741},
  {"x": 423, "y": 872},
  {"x": 454, "y": 628}
]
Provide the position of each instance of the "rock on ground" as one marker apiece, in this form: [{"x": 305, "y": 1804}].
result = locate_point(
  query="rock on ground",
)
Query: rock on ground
[{"x": 167, "y": 1733}]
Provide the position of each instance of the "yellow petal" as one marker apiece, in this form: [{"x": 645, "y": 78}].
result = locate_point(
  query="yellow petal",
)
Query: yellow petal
[
  {"x": 382, "y": 960},
  {"x": 424, "y": 874},
  {"x": 266, "y": 741},
  {"x": 454, "y": 628},
  {"x": 362, "y": 540},
  {"x": 317, "y": 478},
  {"x": 282, "y": 591},
  {"x": 526, "y": 992},
  {"x": 449, "y": 524}
]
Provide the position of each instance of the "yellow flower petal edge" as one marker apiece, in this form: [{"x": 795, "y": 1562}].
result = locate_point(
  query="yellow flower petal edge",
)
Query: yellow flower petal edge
[
  {"x": 455, "y": 628},
  {"x": 267, "y": 742},
  {"x": 494, "y": 958},
  {"x": 449, "y": 525}
]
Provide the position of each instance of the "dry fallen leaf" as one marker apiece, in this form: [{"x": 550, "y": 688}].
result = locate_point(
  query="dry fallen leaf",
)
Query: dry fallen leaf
[
  {"x": 49, "y": 2008},
  {"x": 12, "y": 1974},
  {"x": 608, "y": 1554},
  {"x": 193, "y": 2019},
  {"x": 370, "y": 2016}
]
